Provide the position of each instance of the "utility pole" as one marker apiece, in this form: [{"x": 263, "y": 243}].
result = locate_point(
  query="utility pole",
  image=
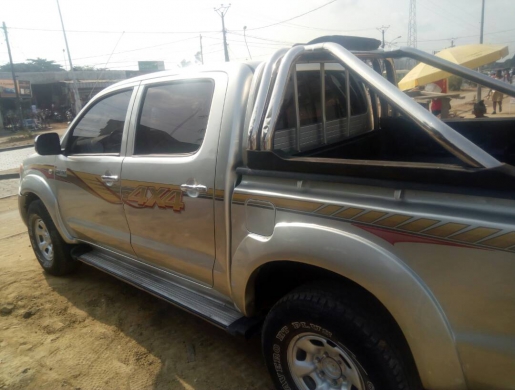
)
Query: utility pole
[
  {"x": 64, "y": 58},
  {"x": 201, "y": 51},
  {"x": 412, "y": 24},
  {"x": 245, "y": 37},
  {"x": 222, "y": 10},
  {"x": 76, "y": 96},
  {"x": 18, "y": 102},
  {"x": 478, "y": 98},
  {"x": 383, "y": 30}
]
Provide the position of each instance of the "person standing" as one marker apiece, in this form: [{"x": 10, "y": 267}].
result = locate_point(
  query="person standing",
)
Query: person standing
[
  {"x": 439, "y": 86},
  {"x": 496, "y": 96}
]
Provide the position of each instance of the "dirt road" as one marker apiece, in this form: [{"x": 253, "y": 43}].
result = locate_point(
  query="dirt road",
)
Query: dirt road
[{"x": 91, "y": 331}]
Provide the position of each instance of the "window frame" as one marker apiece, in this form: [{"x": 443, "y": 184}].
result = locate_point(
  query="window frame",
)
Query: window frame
[
  {"x": 141, "y": 103},
  {"x": 69, "y": 134}
]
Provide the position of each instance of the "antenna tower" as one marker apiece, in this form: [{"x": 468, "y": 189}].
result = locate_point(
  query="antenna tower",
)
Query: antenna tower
[{"x": 412, "y": 26}]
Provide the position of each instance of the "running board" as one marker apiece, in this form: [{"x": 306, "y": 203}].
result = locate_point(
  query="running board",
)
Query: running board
[{"x": 209, "y": 309}]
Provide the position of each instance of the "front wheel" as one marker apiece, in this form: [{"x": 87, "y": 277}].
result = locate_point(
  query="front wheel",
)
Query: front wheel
[
  {"x": 52, "y": 252},
  {"x": 316, "y": 338}
]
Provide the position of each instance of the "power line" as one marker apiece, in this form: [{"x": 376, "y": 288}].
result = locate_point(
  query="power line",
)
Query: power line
[
  {"x": 466, "y": 36},
  {"x": 295, "y": 17},
  {"x": 115, "y": 32},
  {"x": 141, "y": 48}
]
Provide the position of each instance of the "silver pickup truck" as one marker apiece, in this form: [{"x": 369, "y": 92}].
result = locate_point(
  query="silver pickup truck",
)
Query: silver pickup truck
[{"x": 303, "y": 198}]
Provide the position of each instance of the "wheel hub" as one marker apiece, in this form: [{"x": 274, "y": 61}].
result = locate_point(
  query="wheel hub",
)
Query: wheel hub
[
  {"x": 331, "y": 368},
  {"x": 316, "y": 362},
  {"x": 43, "y": 239}
]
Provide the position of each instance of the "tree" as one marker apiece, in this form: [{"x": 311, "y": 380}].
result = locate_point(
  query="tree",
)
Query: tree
[
  {"x": 88, "y": 68},
  {"x": 184, "y": 63},
  {"x": 33, "y": 65}
]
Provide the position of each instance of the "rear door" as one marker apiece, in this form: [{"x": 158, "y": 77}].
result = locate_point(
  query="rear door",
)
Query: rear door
[
  {"x": 88, "y": 173},
  {"x": 169, "y": 172}
]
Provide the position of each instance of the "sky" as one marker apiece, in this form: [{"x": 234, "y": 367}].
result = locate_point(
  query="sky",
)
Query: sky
[{"x": 115, "y": 34}]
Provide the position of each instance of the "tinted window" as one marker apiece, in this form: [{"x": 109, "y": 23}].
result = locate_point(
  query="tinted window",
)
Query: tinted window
[
  {"x": 101, "y": 129},
  {"x": 174, "y": 117}
]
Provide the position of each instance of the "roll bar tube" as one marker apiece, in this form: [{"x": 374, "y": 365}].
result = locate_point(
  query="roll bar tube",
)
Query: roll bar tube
[
  {"x": 452, "y": 141},
  {"x": 453, "y": 68},
  {"x": 265, "y": 87}
]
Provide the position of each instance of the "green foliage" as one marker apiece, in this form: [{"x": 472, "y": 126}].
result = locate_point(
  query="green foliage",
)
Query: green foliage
[
  {"x": 88, "y": 68},
  {"x": 455, "y": 83},
  {"x": 33, "y": 65}
]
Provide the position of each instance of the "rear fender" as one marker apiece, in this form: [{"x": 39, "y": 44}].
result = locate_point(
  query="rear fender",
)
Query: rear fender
[{"x": 354, "y": 255}]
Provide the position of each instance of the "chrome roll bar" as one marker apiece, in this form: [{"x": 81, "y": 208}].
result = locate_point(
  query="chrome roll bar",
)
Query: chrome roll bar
[
  {"x": 265, "y": 86},
  {"x": 452, "y": 141},
  {"x": 450, "y": 67}
]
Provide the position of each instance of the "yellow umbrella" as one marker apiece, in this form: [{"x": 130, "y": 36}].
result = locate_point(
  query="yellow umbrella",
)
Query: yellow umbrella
[{"x": 470, "y": 56}]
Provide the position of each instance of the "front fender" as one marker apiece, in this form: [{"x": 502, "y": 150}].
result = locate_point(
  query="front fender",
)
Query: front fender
[
  {"x": 37, "y": 185},
  {"x": 358, "y": 257}
]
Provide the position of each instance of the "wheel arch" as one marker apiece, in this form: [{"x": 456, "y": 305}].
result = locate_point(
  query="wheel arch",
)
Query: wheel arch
[
  {"x": 355, "y": 261},
  {"x": 34, "y": 187}
]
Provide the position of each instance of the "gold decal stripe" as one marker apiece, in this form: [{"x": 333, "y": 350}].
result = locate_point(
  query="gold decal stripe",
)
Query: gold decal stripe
[
  {"x": 349, "y": 213},
  {"x": 394, "y": 220},
  {"x": 504, "y": 241},
  {"x": 371, "y": 216},
  {"x": 94, "y": 183},
  {"x": 446, "y": 230},
  {"x": 299, "y": 205},
  {"x": 328, "y": 210},
  {"x": 475, "y": 235},
  {"x": 419, "y": 224},
  {"x": 295, "y": 205}
]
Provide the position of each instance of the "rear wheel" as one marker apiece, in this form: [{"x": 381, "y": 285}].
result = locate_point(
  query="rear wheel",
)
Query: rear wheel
[
  {"x": 316, "y": 338},
  {"x": 52, "y": 252}
]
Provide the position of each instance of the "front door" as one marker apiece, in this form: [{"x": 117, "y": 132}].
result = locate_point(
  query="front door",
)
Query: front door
[
  {"x": 88, "y": 174},
  {"x": 168, "y": 179}
]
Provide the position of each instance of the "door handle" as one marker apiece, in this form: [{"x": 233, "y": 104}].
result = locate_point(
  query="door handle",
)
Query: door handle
[
  {"x": 109, "y": 179},
  {"x": 193, "y": 190},
  {"x": 193, "y": 187}
]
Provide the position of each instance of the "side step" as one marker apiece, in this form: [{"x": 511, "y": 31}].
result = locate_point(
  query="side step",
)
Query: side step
[{"x": 209, "y": 309}]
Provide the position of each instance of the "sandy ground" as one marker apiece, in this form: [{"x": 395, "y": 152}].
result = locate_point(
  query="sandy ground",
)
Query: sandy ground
[{"x": 91, "y": 331}]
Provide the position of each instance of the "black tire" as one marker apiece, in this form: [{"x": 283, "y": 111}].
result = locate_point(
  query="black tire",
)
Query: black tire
[
  {"x": 60, "y": 262},
  {"x": 367, "y": 345}
]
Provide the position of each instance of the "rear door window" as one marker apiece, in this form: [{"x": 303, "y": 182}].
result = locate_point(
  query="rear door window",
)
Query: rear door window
[{"x": 173, "y": 119}]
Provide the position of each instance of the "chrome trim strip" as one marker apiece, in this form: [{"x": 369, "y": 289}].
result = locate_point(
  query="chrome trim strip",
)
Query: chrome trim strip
[
  {"x": 265, "y": 87},
  {"x": 322, "y": 98},
  {"x": 347, "y": 92},
  {"x": 296, "y": 100},
  {"x": 452, "y": 141}
]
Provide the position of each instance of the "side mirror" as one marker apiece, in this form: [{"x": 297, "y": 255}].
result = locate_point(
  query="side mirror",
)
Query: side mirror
[{"x": 48, "y": 144}]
